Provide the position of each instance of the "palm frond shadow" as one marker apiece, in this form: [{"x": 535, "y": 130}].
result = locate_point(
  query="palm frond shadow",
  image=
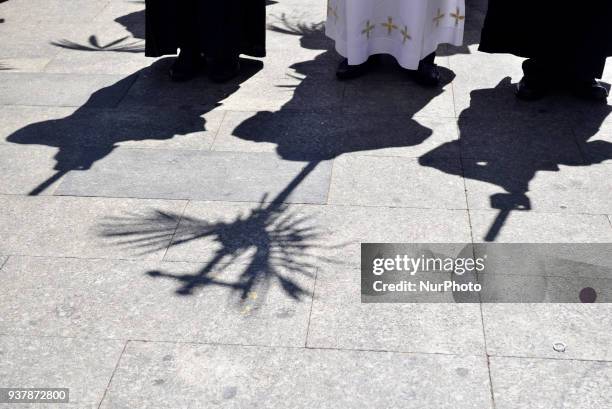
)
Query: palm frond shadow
[
  {"x": 270, "y": 245},
  {"x": 93, "y": 44}
]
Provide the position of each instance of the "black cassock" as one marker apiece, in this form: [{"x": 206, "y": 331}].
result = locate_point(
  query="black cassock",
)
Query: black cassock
[
  {"x": 219, "y": 28},
  {"x": 577, "y": 34}
]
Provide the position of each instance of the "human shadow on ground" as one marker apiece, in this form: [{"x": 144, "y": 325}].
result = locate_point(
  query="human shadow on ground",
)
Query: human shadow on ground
[
  {"x": 271, "y": 238},
  {"x": 97, "y": 127},
  {"x": 506, "y": 143},
  {"x": 320, "y": 123}
]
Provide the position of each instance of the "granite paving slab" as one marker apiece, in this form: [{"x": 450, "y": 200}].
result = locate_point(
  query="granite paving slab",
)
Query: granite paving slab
[
  {"x": 550, "y": 384},
  {"x": 401, "y": 182},
  {"x": 43, "y": 89},
  {"x": 196, "y": 175},
  {"x": 340, "y": 320},
  {"x": 171, "y": 376},
  {"x": 71, "y": 227},
  {"x": 519, "y": 226},
  {"x": 83, "y": 366},
  {"x": 531, "y": 330},
  {"x": 115, "y": 299}
]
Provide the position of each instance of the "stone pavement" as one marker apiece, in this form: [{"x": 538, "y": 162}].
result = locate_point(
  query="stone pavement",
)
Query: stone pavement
[{"x": 193, "y": 246}]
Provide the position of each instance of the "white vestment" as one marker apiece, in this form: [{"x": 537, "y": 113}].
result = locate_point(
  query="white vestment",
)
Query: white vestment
[{"x": 409, "y": 30}]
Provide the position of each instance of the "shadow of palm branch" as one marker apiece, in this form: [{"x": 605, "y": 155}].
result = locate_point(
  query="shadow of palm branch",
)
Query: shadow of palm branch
[
  {"x": 120, "y": 45},
  {"x": 270, "y": 243}
]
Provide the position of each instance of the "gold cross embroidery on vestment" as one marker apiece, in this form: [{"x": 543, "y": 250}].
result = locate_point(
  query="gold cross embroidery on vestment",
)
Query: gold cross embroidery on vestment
[
  {"x": 368, "y": 29},
  {"x": 405, "y": 34},
  {"x": 457, "y": 16},
  {"x": 439, "y": 18},
  {"x": 389, "y": 26}
]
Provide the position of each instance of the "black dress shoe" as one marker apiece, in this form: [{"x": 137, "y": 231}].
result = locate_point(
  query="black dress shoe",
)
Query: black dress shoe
[
  {"x": 349, "y": 72},
  {"x": 591, "y": 90},
  {"x": 187, "y": 66},
  {"x": 223, "y": 70},
  {"x": 529, "y": 89},
  {"x": 427, "y": 75}
]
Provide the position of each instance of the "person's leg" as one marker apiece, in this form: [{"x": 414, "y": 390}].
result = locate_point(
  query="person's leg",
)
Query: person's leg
[
  {"x": 221, "y": 34},
  {"x": 583, "y": 80},
  {"x": 588, "y": 49},
  {"x": 345, "y": 71},
  {"x": 428, "y": 74},
  {"x": 538, "y": 75},
  {"x": 188, "y": 62}
]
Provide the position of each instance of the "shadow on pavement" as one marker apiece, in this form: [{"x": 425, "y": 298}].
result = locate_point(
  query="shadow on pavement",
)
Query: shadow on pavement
[
  {"x": 322, "y": 134},
  {"x": 95, "y": 129},
  {"x": 270, "y": 236},
  {"x": 270, "y": 242},
  {"x": 506, "y": 143}
]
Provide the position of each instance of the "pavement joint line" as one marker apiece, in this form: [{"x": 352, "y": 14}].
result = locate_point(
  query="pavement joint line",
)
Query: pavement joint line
[
  {"x": 110, "y": 380},
  {"x": 545, "y": 358},
  {"x": 346, "y": 265},
  {"x": 287, "y": 347},
  {"x": 452, "y": 89},
  {"x": 138, "y": 260},
  {"x": 239, "y": 345},
  {"x": 491, "y": 388},
  {"x": 331, "y": 181},
  {"x": 43, "y": 69},
  {"x": 180, "y": 199},
  {"x": 100, "y": 197},
  {"x": 150, "y": 260},
  {"x": 44, "y": 105},
  {"x": 4, "y": 262},
  {"x": 178, "y": 223},
  {"x": 467, "y": 200},
  {"x": 264, "y": 153},
  {"x": 221, "y": 123},
  {"x": 486, "y": 349},
  {"x": 295, "y": 112},
  {"x": 565, "y": 213},
  {"x": 106, "y": 6},
  {"x": 362, "y": 155},
  {"x": 312, "y": 300},
  {"x": 228, "y": 201},
  {"x": 544, "y": 212}
]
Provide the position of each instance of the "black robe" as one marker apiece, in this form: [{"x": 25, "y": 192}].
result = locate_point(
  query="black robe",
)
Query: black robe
[
  {"x": 216, "y": 27},
  {"x": 578, "y": 31}
]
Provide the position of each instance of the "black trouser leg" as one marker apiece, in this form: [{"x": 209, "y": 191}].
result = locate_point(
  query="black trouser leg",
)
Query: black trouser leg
[
  {"x": 220, "y": 28},
  {"x": 577, "y": 69},
  {"x": 538, "y": 69},
  {"x": 588, "y": 68},
  {"x": 188, "y": 32}
]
